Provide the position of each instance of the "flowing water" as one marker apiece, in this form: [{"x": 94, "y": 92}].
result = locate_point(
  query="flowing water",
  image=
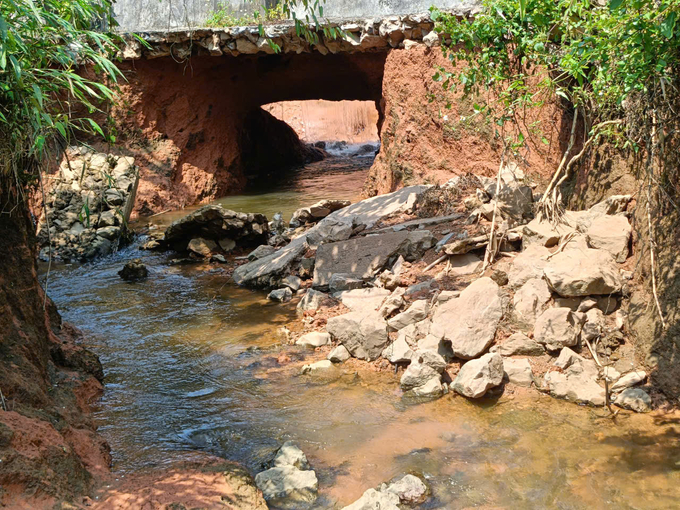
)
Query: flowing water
[{"x": 191, "y": 364}]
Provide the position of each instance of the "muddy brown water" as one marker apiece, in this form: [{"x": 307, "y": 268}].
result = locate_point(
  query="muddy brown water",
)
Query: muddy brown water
[{"x": 190, "y": 364}]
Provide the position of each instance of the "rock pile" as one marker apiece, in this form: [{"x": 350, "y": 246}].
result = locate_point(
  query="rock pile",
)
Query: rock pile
[
  {"x": 213, "y": 229},
  {"x": 88, "y": 203}
]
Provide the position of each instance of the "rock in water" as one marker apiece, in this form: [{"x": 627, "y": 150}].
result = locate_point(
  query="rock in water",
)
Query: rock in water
[
  {"x": 339, "y": 354},
  {"x": 476, "y": 377},
  {"x": 288, "y": 487},
  {"x": 635, "y": 399},
  {"x": 374, "y": 500},
  {"x": 314, "y": 339},
  {"x": 215, "y": 223},
  {"x": 202, "y": 247},
  {"x": 290, "y": 455},
  {"x": 586, "y": 272},
  {"x": 134, "y": 270},
  {"x": 410, "y": 489},
  {"x": 469, "y": 322}
]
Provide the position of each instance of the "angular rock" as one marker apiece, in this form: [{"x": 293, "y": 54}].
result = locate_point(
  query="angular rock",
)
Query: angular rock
[
  {"x": 543, "y": 233},
  {"x": 399, "y": 351},
  {"x": 577, "y": 380},
  {"x": 202, "y": 247},
  {"x": 556, "y": 328},
  {"x": 465, "y": 264},
  {"x": 287, "y": 487},
  {"x": 317, "y": 211},
  {"x": 374, "y": 500},
  {"x": 268, "y": 270},
  {"x": 515, "y": 202},
  {"x": 528, "y": 265},
  {"x": 518, "y": 371},
  {"x": 261, "y": 251},
  {"x": 281, "y": 295},
  {"x": 292, "y": 282},
  {"x": 110, "y": 233},
  {"x": 469, "y": 322},
  {"x": 340, "y": 282},
  {"x": 417, "y": 374},
  {"x": 311, "y": 300},
  {"x": 363, "y": 257},
  {"x": 227, "y": 244},
  {"x": 629, "y": 380},
  {"x": 518, "y": 344},
  {"x": 431, "y": 389},
  {"x": 414, "y": 313},
  {"x": 612, "y": 234},
  {"x": 477, "y": 376},
  {"x": 329, "y": 230},
  {"x": 363, "y": 300},
  {"x": 594, "y": 326},
  {"x": 615, "y": 204},
  {"x": 635, "y": 399},
  {"x": 530, "y": 300},
  {"x": 393, "y": 303},
  {"x": 363, "y": 334},
  {"x": 587, "y": 272},
  {"x": 410, "y": 489},
  {"x": 339, "y": 354},
  {"x": 314, "y": 339}
]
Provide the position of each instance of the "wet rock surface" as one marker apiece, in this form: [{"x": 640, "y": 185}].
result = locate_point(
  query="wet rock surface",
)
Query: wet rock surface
[{"x": 134, "y": 270}]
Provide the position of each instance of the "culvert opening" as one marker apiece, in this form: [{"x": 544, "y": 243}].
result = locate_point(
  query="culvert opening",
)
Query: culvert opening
[{"x": 301, "y": 141}]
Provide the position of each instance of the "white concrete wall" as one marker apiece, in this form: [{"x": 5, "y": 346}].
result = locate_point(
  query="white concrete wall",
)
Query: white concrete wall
[{"x": 143, "y": 15}]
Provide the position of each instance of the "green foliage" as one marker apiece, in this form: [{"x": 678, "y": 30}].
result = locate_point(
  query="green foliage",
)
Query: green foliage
[
  {"x": 44, "y": 47},
  {"x": 224, "y": 16},
  {"x": 519, "y": 54}
]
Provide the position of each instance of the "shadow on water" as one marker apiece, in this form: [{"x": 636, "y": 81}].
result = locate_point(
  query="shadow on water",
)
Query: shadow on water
[{"x": 190, "y": 364}]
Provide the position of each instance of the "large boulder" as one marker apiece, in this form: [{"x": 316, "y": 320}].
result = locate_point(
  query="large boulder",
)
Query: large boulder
[
  {"x": 269, "y": 270},
  {"x": 477, "y": 376},
  {"x": 364, "y": 257},
  {"x": 557, "y": 328},
  {"x": 469, "y": 322},
  {"x": 363, "y": 334},
  {"x": 215, "y": 223},
  {"x": 576, "y": 379},
  {"x": 587, "y": 272}
]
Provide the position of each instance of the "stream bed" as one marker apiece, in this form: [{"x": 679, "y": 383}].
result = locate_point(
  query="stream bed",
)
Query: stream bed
[{"x": 191, "y": 364}]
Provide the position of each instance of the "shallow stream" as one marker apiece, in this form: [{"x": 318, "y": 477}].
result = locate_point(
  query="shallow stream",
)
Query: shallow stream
[{"x": 191, "y": 364}]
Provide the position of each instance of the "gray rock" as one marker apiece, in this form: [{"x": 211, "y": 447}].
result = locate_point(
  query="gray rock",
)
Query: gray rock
[
  {"x": 518, "y": 371},
  {"x": 417, "y": 374},
  {"x": 110, "y": 233},
  {"x": 340, "y": 282},
  {"x": 134, "y": 270},
  {"x": 108, "y": 219},
  {"x": 557, "y": 328},
  {"x": 227, "y": 244},
  {"x": 414, "y": 313},
  {"x": 519, "y": 344},
  {"x": 594, "y": 326},
  {"x": 339, "y": 354},
  {"x": 393, "y": 303},
  {"x": 329, "y": 230},
  {"x": 281, "y": 295},
  {"x": 530, "y": 300},
  {"x": 317, "y": 211},
  {"x": 477, "y": 376},
  {"x": 264, "y": 272},
  {"x": 465, "y": 264},
  {"x": 311, "y": 300},
  {"x": 292, "y": 282},
  {"x": 398, "y": 351},
  {"x": 290, "y": 455},
  {"x": 628, "y": 380},
  {"x": 469, "y": 322},
  {"x": 528, "y": 265},
  {"x": 427, "y": 285},
  {"x": 202, "y": 247},
  {"x": 410, "y": 489},
  {"x": 363, "y": 257},
  {"x": 314, "y": 339},
  {"x": 261, "y": 251},
  {"x": 635, "y": 399},
  {"x": 363, "y": 300},
  {"x": 443, "y": 241},
  {"x": 576, "y": 381},
  {"x": 543, "y": 233},
  {"x": 363, "y": 334},
  {"x": 306, "y": 269},
  {"x": 515, "y": 202},
  {"x": 612, "y": 234},
  {"x": 375, "y": 500},
  {"x": 431, "y": 389},
  {"x": 587, "y": 272},
  {"x": 287, "y": 487}
]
